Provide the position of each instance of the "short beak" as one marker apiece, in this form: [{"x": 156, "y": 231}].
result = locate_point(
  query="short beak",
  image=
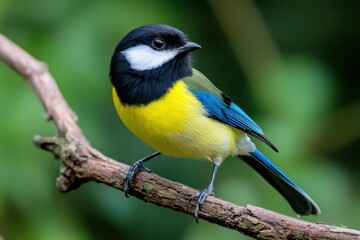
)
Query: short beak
[{"x": 189, "y": 46}]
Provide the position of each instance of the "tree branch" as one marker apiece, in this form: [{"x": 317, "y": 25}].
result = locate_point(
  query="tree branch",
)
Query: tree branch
[{"x": 82, "y": 163}]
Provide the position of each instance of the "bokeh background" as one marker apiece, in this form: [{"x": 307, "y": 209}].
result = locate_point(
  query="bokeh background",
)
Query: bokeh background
[{"x": 293, "y": 66}]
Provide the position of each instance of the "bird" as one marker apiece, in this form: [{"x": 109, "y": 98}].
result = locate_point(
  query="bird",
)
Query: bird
[{"x": 179, "y": 112}]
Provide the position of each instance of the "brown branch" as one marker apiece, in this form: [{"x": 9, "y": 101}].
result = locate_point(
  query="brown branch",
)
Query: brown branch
[{"x": 82, "y": 163}]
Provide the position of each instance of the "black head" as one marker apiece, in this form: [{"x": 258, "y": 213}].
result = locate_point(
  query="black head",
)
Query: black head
[{"x": 148, "y": 60}]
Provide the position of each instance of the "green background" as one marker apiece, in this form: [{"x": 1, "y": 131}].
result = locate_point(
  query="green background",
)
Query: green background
[{"x": 292, "y": 66}]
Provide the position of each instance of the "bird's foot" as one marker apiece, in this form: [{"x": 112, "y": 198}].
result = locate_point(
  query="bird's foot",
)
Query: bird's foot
[
  {"x": 133, "y": 170},
  {"x": 201, "y": 197}
]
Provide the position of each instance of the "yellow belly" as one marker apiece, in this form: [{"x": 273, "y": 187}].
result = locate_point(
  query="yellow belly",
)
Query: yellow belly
[{"x": 176, "y": 125}]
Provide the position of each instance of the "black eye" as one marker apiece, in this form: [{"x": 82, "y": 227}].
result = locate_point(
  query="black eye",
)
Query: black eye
[{"x": 158, "y": 43}]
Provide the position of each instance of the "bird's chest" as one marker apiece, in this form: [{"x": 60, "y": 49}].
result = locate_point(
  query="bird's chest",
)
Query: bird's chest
[
  {"x": 164, "y": 116},
  {"x": 176, "y": 125}
]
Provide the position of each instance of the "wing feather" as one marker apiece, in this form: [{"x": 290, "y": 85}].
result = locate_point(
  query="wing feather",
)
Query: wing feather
[{"x": 220, "y": 107}]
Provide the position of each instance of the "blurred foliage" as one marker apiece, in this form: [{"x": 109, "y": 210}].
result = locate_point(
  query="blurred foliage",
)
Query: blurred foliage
[{"x": 293, "y": 66}]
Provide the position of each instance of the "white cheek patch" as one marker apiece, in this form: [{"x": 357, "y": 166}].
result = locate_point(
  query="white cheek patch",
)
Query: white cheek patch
[{"x": 142, "y": 57}]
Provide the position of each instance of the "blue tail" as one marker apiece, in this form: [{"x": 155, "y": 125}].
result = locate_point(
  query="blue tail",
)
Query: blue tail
[{"x": 298, "y": 199}]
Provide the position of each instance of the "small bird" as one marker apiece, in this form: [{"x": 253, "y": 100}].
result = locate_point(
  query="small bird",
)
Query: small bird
[{"x": 177, "y": 111}]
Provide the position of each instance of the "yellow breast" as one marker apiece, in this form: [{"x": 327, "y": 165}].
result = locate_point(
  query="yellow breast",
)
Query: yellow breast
[{"x": 176, "y": 125}]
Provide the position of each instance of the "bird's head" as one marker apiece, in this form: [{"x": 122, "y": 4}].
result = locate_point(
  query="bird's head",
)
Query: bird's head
[
  {"x": 148, "y": 60},
  {"x": 150, "y": 47}
]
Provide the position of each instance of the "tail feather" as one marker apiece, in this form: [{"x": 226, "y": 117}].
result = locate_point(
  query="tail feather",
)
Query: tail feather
[{"x": 298, "y": 199}]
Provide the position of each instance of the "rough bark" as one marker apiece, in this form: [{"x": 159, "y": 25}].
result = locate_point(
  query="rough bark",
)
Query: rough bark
[{"x": 82, "y": 163}]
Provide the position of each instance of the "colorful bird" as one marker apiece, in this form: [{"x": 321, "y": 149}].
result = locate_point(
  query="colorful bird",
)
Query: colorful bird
[{"x": 176, "y": 110}]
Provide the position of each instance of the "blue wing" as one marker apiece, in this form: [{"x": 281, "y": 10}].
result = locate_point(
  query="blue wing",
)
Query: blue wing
[{"x": 221, "y": 108}]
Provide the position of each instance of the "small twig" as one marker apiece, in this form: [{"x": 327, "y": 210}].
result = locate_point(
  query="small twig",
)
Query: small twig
[{"x": 82, "y": 163}]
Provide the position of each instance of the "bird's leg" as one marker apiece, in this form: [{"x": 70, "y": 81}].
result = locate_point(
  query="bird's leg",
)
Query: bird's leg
[
  {"x": 209, "y": 191},
  {"x": 135, "y": 168}
]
